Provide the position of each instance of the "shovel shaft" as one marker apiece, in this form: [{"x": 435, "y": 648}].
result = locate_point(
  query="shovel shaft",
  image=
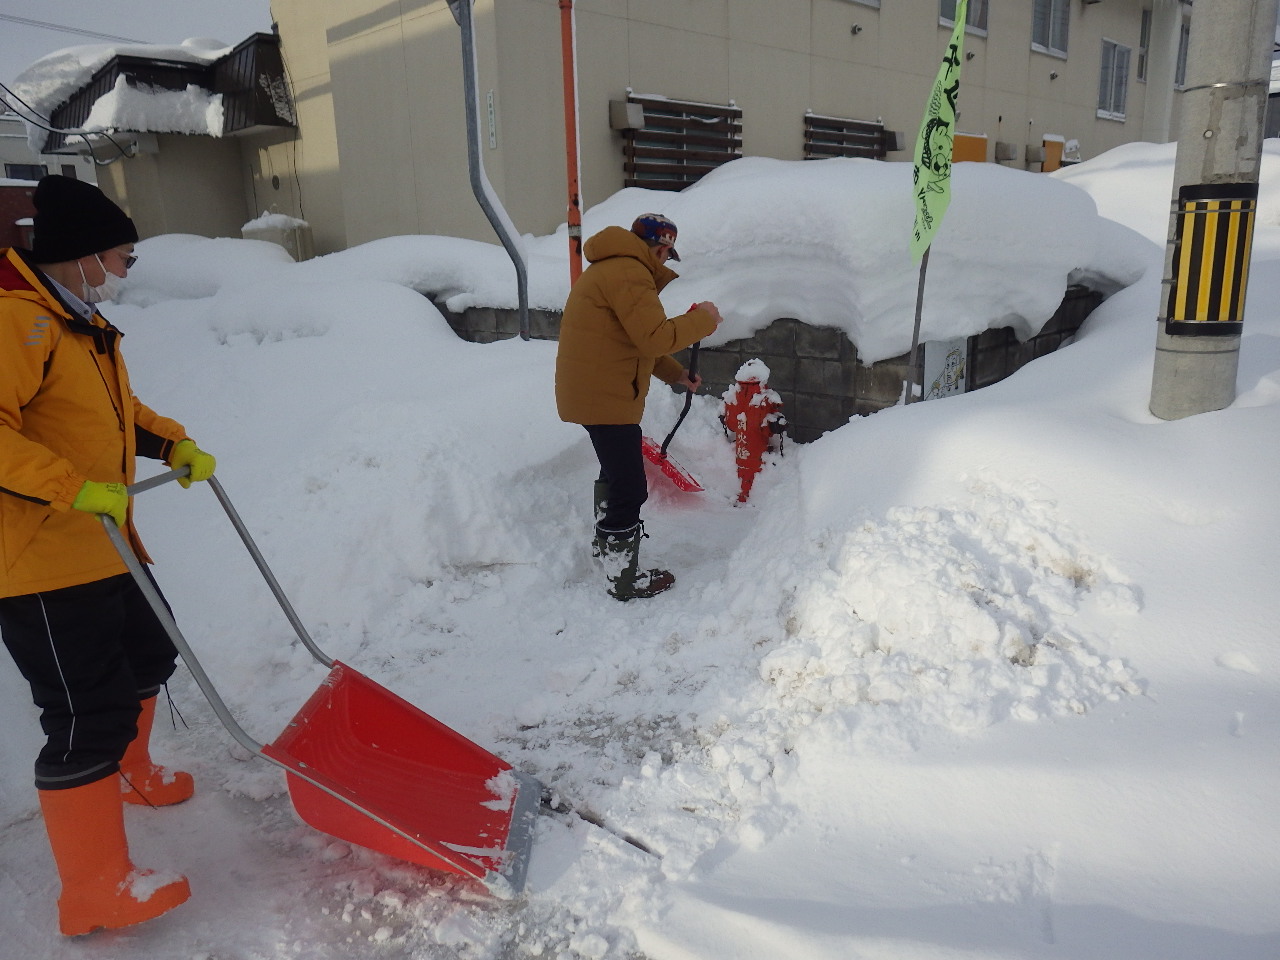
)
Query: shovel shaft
[
  {"x": 295, "y": 621},
  {"x": 267, "y": 575},
  {"x": 170, "y": 625},
  {"x": 688, "y": 397}
]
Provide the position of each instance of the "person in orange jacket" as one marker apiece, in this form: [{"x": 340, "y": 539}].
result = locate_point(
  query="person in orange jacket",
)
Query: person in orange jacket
[
  {"x": 76, "y": 624},
  {"x": 614, "y": 336}
]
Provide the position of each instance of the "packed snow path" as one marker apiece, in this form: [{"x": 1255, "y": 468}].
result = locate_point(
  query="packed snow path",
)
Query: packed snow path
[{"x": 676, "y": 719}]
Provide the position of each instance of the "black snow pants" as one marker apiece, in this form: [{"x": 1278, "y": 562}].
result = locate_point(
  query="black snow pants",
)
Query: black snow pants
[
  {"x": 617, "y": 448},
  {"x": 90, "y": 653}
]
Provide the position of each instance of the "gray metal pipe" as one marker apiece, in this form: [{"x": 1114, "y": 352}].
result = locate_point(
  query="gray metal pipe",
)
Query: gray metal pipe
[{"x": 480, "y": 184}]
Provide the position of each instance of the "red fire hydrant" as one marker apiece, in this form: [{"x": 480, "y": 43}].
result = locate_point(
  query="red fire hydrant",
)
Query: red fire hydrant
[{"x": 752, "y": 417}]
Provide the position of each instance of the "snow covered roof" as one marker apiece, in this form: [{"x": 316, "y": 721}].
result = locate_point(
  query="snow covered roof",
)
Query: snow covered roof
[{"x": 153, "y": 88}]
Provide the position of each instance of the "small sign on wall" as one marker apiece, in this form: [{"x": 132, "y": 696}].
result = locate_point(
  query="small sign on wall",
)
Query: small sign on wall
[{"x": 944, "y": 367}]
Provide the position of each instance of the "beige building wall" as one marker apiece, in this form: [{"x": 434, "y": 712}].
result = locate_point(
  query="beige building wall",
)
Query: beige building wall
[
  {"x": 382, "y": 146},
  {"x": 297, "y": 173},
  {"x": 194, "y": 182}
]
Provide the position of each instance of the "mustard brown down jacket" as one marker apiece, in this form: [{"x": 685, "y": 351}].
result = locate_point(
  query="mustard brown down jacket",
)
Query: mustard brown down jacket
[
  {"x": 67, "y": 415},
  {"x": 615, "y": 334}
]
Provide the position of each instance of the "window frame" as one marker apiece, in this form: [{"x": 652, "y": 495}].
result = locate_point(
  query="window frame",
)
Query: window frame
[
  {"x": 948, "y": 20},
  {"x": 19, "y": 171},
  {"x": 1180, "y": 68},
  {"x": 1056, "y": 14},
  {"x": 1113, "y": 80},
  {"x": 1144, "y": 45}
]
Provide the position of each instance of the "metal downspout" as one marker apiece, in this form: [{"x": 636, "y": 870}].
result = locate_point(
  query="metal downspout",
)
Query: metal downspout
[{"x": 480, "y": 185}]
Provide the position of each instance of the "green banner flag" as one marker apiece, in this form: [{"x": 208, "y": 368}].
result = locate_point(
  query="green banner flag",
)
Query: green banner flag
[{"x": 931, "y": 175}]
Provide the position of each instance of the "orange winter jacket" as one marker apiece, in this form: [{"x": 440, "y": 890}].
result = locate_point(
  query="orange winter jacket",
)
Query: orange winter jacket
[
  {"x": 67, "y": 415},
  {"x": 615, "y": 334}
]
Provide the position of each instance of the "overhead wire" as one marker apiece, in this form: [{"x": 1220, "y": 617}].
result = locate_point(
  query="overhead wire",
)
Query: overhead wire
[
  {"x": 36, "y": 119},
  {"x": 46, "y": 25},
  {"x": 42, "y": 122}
]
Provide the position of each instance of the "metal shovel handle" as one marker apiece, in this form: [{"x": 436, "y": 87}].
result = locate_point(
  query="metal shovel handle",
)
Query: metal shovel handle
[
  {"x": 258, "y": 559},
  {"x": 161, "y": 609}
]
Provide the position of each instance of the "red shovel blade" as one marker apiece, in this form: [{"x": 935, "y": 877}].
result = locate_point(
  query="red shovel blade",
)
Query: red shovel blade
[{"x": 664, "y": 462}]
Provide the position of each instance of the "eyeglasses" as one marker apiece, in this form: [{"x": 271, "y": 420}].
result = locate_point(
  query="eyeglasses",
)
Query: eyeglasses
[{"x": 129, "y": 261}]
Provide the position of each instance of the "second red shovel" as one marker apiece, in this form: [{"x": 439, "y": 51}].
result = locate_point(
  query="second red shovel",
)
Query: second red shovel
[{"x": 657, "y": 455}]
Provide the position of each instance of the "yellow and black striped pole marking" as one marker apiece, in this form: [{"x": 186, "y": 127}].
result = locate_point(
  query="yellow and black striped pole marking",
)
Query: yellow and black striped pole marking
[{"x": 1213, "y": 241}]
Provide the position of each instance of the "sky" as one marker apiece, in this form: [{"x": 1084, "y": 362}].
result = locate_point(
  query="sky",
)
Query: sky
[
  {"x": 148, "y": 21},
  {"x": 988, "y": 677}
]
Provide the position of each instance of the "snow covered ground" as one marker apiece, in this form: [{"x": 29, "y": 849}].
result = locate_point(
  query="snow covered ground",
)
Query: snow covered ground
[{"x": 993, "y": 676}]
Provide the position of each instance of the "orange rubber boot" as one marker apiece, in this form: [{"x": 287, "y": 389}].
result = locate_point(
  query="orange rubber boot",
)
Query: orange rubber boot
[
  {"x": 143, "y": 782},
  {"x": 100, "y": 885}
]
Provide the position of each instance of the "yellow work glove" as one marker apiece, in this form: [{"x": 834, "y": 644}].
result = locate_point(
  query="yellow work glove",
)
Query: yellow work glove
[
  {"x": 187, "y": 454},
  {"x": 110, "y": 498}
]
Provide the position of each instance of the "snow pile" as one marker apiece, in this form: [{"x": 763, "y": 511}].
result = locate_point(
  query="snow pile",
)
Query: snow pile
[
  {"x": 156, "y": 110},
  {"x": 1133, "y": 185},
  {"x": 823, "y": 241},
  {"x": 273, "y": 221}
]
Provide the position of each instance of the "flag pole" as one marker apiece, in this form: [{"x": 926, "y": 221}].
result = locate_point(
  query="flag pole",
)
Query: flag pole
[
  {"x": 931, "y": 179},
  {"x": 917, "y": 371}
]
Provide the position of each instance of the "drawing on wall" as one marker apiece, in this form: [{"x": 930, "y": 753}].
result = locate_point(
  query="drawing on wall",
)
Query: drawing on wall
[{"x": 944, "y": 368}]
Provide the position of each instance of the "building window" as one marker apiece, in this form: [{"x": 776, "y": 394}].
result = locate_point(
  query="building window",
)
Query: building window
[
  {"x": 1049, "y": 22},
  {"x": 975, "y": 18},
  {"x": 680, "y": 143},
  {"x": 1144, "y": 45},
  {"x": 25, "y": 171},
  {"x": 1180, "y": 71},
  {"x": 1113, "y": 84},
  {"x": 838, "y": 137}
]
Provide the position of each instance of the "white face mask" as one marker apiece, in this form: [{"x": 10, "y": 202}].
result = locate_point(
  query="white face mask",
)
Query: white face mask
[{"x": 108, "y": 289}]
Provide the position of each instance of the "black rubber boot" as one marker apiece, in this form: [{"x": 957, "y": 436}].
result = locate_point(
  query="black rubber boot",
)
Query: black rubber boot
[
  {"x": 619, "y": 551},
  {"x": 601, "y": 495}
]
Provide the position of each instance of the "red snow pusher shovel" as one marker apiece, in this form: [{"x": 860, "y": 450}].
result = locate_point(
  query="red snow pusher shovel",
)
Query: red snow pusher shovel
[
  {"x": 370, "y": 768},
  {"x": 657, "y": 455}
]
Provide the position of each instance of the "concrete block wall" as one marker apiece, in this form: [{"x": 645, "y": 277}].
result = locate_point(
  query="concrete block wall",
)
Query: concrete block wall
[
  {"x": 816, "y": 370},
  {"x": 488, "y": 324}
]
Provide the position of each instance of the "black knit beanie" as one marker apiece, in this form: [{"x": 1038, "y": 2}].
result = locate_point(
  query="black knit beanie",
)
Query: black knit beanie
[{"x": 75, "y": 219}]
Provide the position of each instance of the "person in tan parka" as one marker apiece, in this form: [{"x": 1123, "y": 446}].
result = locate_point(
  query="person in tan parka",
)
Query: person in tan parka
[
  {"x": 76, "y": 624},
  {"x": 614, "y": 336}
]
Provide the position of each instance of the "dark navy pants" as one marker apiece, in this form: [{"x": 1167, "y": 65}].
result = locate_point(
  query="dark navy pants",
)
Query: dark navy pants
[
  {"x": 617, "y": 448},
  {"x": 90, "y": 653}
]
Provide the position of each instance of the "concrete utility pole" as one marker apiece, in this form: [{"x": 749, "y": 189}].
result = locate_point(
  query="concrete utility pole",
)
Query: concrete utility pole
[{"x": 1215, "y": 190}]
